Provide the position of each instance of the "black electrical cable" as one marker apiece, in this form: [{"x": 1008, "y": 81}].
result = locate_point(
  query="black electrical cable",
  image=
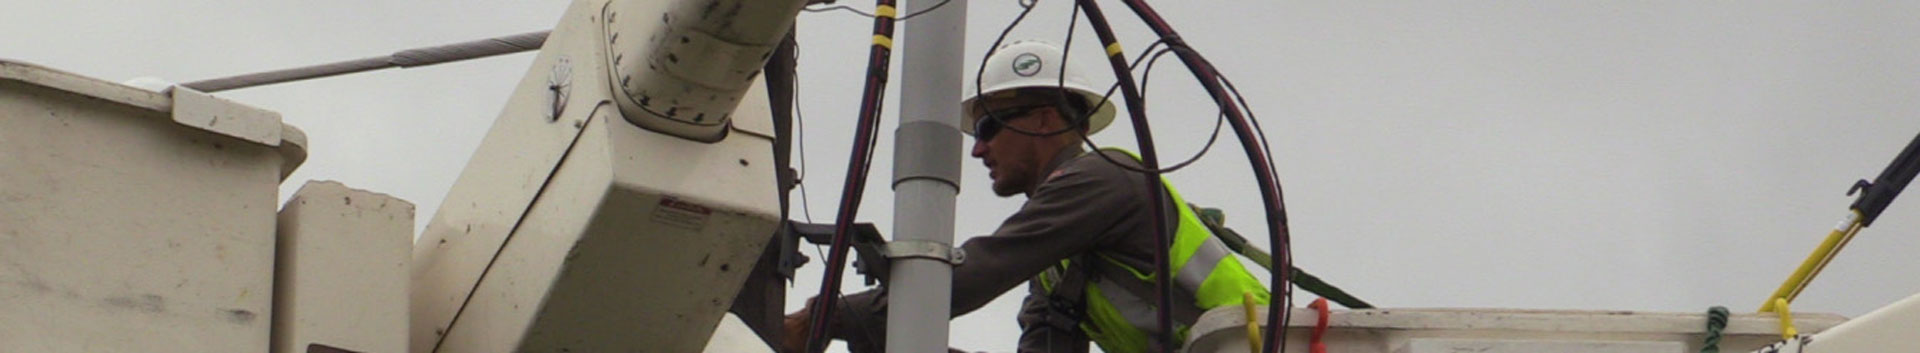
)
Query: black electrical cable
[
  {"x": 859, "y": 164},
  {"x": 1259, "y": 131},
  {"x": 1149, "y": 158},
  {"x": 1219, "y": 120},
  {"x": 1217, "y": 123},
  {"x": 1146, "y": 76},
  {"x": 1284, "y": 247},
  {"x": 800, "y": 141},
  {"x": 1060, "y": 77},
  {"x": 1212, "y": 137},
  {"x": 870, "y": 15},
  {"x": 1061, "y": 86},
  {"x": 1270, "y": 192},
  {"x": 800, "y": 145}
]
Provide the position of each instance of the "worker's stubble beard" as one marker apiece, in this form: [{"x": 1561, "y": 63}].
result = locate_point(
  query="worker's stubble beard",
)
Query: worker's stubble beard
[
  {"x": 1017, "y": 158},
  {"x": 1019, "y": 172}
]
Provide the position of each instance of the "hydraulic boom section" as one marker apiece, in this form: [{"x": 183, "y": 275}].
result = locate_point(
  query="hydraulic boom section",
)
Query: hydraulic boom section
[{"x": 621, "y": 197}]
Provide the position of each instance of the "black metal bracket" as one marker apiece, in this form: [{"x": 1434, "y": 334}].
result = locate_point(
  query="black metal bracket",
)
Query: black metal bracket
[{"x": 869, "y": 258}]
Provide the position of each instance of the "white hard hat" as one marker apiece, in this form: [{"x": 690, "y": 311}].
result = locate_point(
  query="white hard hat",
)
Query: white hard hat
[{"x": 1031, "y": 64}]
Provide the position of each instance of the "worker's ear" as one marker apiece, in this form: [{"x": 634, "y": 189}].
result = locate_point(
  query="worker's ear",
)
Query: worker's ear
[{"x": 1055, "y": 119}]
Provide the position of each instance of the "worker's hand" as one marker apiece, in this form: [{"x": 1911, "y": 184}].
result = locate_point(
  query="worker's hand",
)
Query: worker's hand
[
  {"x": 794, "y": 339},
  {"x": 794, "y": 336}
]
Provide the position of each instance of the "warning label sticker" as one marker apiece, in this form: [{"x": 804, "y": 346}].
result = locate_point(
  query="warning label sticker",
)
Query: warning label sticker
[{"x": 682, "y": 214}]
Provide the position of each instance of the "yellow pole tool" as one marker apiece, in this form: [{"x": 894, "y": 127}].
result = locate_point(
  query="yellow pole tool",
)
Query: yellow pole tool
[
  {"x": 1874, "y": 198},
  {"x": 1816, "y": 261}
]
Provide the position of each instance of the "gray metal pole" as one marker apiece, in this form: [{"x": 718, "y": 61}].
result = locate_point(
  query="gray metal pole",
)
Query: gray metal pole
[
  {"x": 405, "y": 58},
  {"x": 926, "y": 174}
]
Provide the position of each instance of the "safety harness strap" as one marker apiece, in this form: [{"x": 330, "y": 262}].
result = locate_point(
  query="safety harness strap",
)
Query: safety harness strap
[{"x": 1065, "y": 284}]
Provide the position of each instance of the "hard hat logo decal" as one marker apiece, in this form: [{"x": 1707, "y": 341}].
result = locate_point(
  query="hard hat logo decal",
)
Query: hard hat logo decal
[{"x": 1026, "y": 64}]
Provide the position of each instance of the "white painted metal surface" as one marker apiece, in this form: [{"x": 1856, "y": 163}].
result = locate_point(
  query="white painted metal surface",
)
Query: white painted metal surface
[
  {"x": 205, "y": 111},
  {"x": 123, "y": 229},
  {"x": 340, "y": 280},
  {"x": 1484, "y": 345},
  {"x": 733, "y": 336},
  {"x": 1500, "y": 330},
  {"x": 518, "y": 155},
  {"x": 1893, "y": 328},
  {"x": 582, "y": 232},
  {"x": 680, "y": 67}
]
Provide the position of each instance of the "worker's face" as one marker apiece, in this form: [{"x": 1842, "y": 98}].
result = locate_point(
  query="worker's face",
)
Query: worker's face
[{"x": 1014, "y": 159}]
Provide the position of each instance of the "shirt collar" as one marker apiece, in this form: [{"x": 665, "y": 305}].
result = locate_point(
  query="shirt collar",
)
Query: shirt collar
[{"x": 1065, "y": 154}]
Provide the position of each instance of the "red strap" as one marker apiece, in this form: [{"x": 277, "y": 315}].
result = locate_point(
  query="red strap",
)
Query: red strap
[{"x": 1317, "y": 345}]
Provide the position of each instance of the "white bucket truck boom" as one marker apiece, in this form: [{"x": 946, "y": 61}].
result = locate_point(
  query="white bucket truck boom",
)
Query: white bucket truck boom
[{"x": 621, "y": 197}]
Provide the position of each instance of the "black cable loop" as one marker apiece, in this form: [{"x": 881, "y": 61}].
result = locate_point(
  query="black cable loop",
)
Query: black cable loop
[
  {"x": 1176, "y": 44},
  {"x": 1144, "y": 76},
  {"x": 1177, "y": 166},
  {"x": 1258, "y": 131},
  {"x": 1061, "y": 85},
  {"x": 1270, "y": 191},
  {"x": 1107, "y": 97},
  {"x": 1284, "y": 250},
  {"x": 1026, "y": 7},
  {"x": 1083, "y": 120}
]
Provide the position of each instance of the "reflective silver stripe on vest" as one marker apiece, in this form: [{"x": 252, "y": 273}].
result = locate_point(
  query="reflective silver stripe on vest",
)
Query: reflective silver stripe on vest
[
  {"x": 1138, "y": 312},
  {"x": 1201, "y": 264}
]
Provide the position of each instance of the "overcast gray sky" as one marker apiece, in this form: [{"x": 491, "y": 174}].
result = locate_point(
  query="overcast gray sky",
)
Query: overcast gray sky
[{"x": 1629, "y": 155}]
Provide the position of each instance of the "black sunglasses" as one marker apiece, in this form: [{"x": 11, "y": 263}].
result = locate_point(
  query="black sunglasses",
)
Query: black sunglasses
[{"x": 986, "y": 126}]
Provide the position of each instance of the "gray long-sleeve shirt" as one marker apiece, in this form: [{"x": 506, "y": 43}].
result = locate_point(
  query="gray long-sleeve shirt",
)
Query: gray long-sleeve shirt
[{"x": 1086, "y": 204}]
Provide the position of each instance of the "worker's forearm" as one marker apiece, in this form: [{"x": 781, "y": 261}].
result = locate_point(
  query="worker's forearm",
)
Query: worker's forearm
[{"x": 861, "y": 320}]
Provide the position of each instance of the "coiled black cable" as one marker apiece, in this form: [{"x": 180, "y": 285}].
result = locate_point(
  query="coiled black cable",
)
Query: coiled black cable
[
  {"x": 1219, "y": 120},
  {"x": 1270, "y": 192},
  {"x": 1229, "y": 107},
  {"x": 1149, "y": 158}
]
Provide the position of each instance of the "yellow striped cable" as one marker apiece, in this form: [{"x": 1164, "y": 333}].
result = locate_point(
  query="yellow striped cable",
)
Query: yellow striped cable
[
  {"x": 1114, "y": 49},
  {"x": 883, "y": 41},
  {"x": 885, "y": 11}
]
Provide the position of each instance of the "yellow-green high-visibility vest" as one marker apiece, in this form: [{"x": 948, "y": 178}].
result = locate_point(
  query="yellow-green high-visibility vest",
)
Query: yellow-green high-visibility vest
[{"x": 1120, "y": 321}]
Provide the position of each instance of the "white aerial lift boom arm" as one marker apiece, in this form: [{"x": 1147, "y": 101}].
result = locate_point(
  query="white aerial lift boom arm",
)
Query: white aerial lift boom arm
[{"x": 622, "y": 195}]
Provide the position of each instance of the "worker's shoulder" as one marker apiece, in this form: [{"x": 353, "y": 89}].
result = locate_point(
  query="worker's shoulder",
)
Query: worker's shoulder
[
  {"x": 1094, "y": 179},
  {"x": 1115, "y": 164}
]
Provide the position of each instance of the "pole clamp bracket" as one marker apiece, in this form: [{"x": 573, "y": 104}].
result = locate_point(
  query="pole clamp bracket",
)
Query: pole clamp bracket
[{"x": 922, "y": 249}]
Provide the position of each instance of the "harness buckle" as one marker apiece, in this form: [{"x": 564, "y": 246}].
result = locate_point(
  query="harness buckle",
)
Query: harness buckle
[{"x": 1064, "y": 314}]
